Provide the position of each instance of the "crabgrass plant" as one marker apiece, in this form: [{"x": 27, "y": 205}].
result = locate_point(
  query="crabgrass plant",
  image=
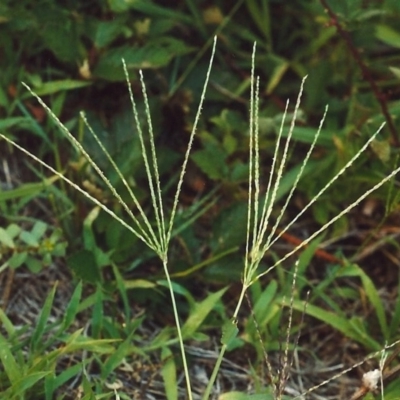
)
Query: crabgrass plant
[{"x": 260, "y": 207}]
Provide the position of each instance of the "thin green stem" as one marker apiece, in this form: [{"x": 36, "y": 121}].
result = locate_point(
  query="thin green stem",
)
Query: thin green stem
[
  {"x": 178, "y": 328},
  {"x": 221, "y": 354}
]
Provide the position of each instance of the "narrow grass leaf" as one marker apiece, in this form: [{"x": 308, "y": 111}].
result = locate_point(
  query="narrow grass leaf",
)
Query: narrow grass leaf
[
  {"x": 97, "y": 315},
  {"x": 7, "y": 123},
  {"x": 371, "y": 292},
  {"x": 101, "y": 346},
  {"x": 179, "y": 289},
  {"x": 12, "y": 369},
  {"x": 53, "y": 382},
  {"x": 139, "y": 284},
  {"x": 61, "y": 85},
  {"x": 27, "y": 189},
  {"x": 72, "y": 307},
  {"x": 342, "y": 324},
  {"x": 200, "y": 312},
  {"x": 304, "y": 261},
  {"x": 122, "y": 291},
  {"x": 22, "y": 385},
  {"x": 6, "y": 323},
  {"x": 168, "y": 372},
  {"x": 244, "y": 396},
  {"x": 87, "y": 389},
  {"x": 36, "y": 340},
  {"x": 395, "y": 320},
  {"x": 262, "y": 306},
  {"x": 117, "y": 357}
]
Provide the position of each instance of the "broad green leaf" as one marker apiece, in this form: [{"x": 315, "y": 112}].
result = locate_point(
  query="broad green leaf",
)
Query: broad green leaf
[
  {"x": 17, "y": 259},
  {"x": 84, "y": 265},
  {"x": 149, "y": 8},
  {"x": 153, "y": 54},
  {"x": 34, "y": 265},
  {"x": 211, "y": 160},
  {"x": 107, "y": 31},
  {"x": 13, "y": 230},
  {"x": 6, "y": 239},
  {"x": 59, "y": 33},
  {"x": 29, "y": 239},
  {"x": 39, "y": 229}
]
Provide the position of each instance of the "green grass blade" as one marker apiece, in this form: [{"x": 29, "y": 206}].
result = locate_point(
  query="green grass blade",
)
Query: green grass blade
[
  {"x": 6, "y": 323},
  {"x": 21, "y": 386},
  {"x": 10, "y": 366},
  {"x": 117, "y": 357},
  {"x": 97, "y": 316},
  {"x": 122, "y": 291},
  {"x": 199, "y": 313},
  {"x": 72, "y": 307},
  {"x": 36, "y": 340},
  {"x": 340, "y": 323},
  {"x": 168, "y": 372},
  {"x": 27, "y": 189},
  {"x": 371, "y": 292},
  {"x": 53, "y": 382}
]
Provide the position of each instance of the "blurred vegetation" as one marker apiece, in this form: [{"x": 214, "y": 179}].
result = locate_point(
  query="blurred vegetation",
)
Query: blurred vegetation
[{"x": 69, "y": 52}]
